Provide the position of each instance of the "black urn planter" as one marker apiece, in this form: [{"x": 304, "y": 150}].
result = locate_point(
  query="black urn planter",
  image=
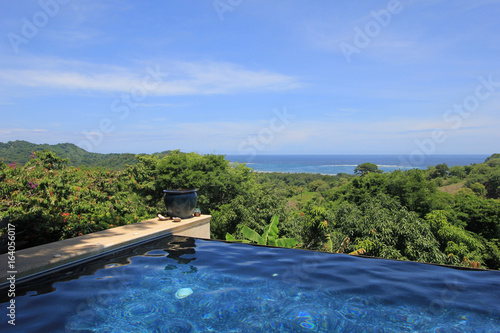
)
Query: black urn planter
[{"x": 180, "y": 202}]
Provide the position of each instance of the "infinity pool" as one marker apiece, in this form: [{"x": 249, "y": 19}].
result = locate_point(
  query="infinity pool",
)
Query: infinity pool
[{"x": 179, "y": 284}]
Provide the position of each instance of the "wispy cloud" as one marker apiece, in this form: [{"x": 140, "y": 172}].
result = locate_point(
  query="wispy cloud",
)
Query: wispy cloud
[
  {"x": 311, "y": 136},
  {"x": 177, "y": 78},
  {"x": 160, "y": 105},
  {"x": 77, "y": 37},
  {"x": 7, "y": 131},
  {"x": 32, "y": 135}
]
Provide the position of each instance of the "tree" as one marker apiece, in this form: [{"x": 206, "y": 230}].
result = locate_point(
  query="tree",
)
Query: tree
[
  {"x": 413, "y": 190},
  {"x": 366, "y": 168},
  {"x": 384, "y": 228},
  {"x": 492, "y": 157},
  {"x": 442, "y": 170},
  {"x": 460, "y": 246},
  {"x": 457, "y": 171},
  {"x": 493, "y": 184},
  {"x": 318, "y": 185},
  {"x": 253, "y": 209},
  {"x": 478, "y": 189},
  {"x": 218, "y": 182},
  {"x": 481, "y": 216}
]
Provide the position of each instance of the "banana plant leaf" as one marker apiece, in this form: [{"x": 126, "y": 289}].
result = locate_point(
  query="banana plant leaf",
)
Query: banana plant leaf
[
  {"x": 286, "y": 242},
  {"x": 252, "y": 235},
  {"x": 269, "y": 237},
  {"x": 230, "y": 238},
  {"x": 271, "y": 231}
]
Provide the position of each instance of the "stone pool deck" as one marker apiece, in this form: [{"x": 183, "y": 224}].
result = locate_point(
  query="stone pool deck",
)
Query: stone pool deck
[{"x": 40, "y": 258}]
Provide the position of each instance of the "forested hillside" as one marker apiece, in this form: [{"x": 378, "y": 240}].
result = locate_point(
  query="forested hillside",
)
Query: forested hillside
[
  {"x": 20, "y": 151},
  {"x": 439, "y": 215}
]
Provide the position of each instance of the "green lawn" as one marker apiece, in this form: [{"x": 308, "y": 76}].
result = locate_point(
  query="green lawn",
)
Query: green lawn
[{"x": 305, "y": 196}]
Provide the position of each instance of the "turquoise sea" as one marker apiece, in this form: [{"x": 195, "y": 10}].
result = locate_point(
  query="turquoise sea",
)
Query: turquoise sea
[{"x": 334, "y": 164}]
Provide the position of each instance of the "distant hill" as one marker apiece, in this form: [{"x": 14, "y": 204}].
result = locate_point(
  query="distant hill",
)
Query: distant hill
[{"x": 20, "y": 151}]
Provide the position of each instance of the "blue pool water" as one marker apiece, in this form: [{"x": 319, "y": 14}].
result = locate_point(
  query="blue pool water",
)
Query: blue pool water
[{"x": 245, "y": 288}]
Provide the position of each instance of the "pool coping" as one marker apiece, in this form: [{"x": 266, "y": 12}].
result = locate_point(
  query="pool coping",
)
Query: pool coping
[{"x": 44, "y": 257}]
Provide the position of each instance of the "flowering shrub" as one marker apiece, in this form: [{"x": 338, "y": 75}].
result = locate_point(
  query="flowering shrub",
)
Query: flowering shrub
[{"x": 48, "y": 200}]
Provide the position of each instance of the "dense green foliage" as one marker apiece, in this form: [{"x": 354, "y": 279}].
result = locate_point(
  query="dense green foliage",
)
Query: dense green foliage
[
  {"x": 441, "y": 215},
  {"x": 49, "y": 200},
  {"x": 19, "y": 152},
  {"x": 404, "y": 215}
]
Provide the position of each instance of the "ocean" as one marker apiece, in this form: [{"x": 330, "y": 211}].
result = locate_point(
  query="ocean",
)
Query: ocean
[{"x": 335, "y": 164}]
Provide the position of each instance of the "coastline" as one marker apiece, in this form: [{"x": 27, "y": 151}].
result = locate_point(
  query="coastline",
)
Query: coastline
[{"x": 332, "y": 165}]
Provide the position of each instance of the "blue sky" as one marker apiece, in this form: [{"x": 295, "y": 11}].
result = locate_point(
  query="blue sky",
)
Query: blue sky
[{"x": 413, "y": 78}]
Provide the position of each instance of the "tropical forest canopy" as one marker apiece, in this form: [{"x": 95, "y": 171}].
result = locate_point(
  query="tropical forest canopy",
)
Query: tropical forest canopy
[
  {"x": 19, "y": 152},
  {"x": 444, "y": 215}
]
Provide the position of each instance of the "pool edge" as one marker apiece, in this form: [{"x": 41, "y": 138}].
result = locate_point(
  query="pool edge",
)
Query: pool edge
[{"x": 48, "y": 256}]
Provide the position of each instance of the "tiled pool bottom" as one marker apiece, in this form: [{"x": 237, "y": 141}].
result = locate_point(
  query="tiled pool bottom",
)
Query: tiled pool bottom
[{"x": 179, "y": 284}]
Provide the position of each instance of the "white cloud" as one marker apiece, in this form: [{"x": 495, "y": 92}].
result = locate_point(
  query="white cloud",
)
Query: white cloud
[
  {"x": 173, "y": 78},
  {"x": 31, "y": 135},
  {"x": 299, "y": 135},
  {"x": 73, "y": 37},
  {"x": 160, "y": 105},
  {"x": 8, "y": 131}
]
